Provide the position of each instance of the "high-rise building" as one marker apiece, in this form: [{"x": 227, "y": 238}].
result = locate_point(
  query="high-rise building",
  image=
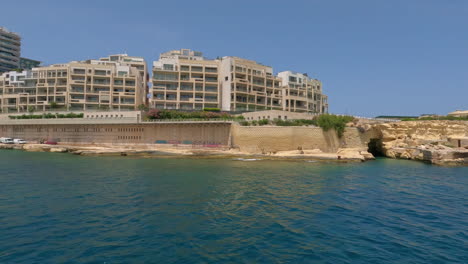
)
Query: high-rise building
[
  {"x": 10, "y": 48},
  {"x": 184, "y": 79},
  {"x": 86, "y": 85}
]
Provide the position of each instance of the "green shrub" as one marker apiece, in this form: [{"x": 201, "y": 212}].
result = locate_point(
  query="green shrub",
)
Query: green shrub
[
  {"x": 175, "y": 114},
  {"x": 294, "y": 122},
  {"x": 263, "y": 122},
  {"x": 244, "y": 123},
  {"x": 338, "y": 123},
  {"x": 211, "y": 109},
  {"x": 48, "y": 116},
  {"x": 465, "y": 118}
]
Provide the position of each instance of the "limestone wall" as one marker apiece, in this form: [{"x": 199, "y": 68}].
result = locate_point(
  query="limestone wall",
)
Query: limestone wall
[
  {"x": 420, "y": 131},
  {"x": 209, "y": 134},
  {"x": 436, "y": 141},
  {"x": 251, "y": 139},
  {"x": 266, "y": 139}
]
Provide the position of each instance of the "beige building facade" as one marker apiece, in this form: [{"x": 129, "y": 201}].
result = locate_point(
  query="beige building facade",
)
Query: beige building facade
[
  {"x": 302, "y": 94},
  {"x": 184, "y": 79},
  {"x": 76, "y": 86},
  {"x": 249, "y": 86}
]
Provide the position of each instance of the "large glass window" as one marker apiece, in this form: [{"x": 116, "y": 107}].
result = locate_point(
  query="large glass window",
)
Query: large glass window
[{"x": 168, "y": 67}]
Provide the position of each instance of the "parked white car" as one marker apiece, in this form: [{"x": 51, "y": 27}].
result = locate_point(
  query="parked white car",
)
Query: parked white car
[
  {"x": 19, "y": 141},
  {"x": 6, "y": 140}
]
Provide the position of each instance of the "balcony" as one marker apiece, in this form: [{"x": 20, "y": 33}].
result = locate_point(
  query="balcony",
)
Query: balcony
[
  {"x": 79, "y": 72},
  {"x": 240, "y": 90},
  {"x": 101, "y": 83},
  {"x": 186, "y": 88},
  {"x": 77, "y": 100}
]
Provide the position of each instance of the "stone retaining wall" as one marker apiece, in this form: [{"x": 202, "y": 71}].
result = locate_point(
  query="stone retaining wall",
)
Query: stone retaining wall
[
  {"x": 266, "y": 139},
  {"x": 207, "y": 134}
]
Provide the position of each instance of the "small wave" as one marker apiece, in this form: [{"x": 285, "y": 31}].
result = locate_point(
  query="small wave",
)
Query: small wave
[{"x": 242, "y": 159}]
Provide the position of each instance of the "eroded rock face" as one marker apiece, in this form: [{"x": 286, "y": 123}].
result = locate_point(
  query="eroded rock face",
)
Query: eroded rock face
[
  {"x": 354, "y": 153},
  {"x": 431, "y": 141}
]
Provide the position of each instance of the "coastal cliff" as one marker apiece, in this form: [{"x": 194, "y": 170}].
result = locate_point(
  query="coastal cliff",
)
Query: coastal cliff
[{"x": 436, "y": 141}]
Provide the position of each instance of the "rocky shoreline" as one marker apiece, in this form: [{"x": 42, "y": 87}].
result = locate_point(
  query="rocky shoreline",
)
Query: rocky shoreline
[
  {"x": 348, "y": 154},
  {"x": 437, "y": 142}
]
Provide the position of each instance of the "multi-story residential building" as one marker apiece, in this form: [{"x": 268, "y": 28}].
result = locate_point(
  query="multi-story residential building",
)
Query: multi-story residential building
[
  {"x": 248, "y": 86},
  {"x": 302, "y": 94},
  {"x": 183, "y": 79},
  {"x": 10, "y": 48},
  {"x": 86, "y": 85},
  {"x": 138, "y": 62}
]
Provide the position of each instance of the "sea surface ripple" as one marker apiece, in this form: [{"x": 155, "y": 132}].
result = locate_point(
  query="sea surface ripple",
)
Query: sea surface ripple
[{"x": 59, "y": 208}]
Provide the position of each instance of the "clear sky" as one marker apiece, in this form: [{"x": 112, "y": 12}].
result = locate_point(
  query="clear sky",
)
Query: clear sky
[{"x": 375, "y": 57}]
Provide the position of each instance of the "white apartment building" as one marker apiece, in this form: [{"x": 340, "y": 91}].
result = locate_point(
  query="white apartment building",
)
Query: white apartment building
[{"x": 302, "y": 94}]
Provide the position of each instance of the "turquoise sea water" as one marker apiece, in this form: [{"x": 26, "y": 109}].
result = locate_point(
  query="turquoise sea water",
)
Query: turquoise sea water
[{"x": 60, "y": 208}]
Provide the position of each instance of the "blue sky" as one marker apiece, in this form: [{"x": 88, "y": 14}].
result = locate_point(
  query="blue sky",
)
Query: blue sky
[{"x": 375, "y": 57}]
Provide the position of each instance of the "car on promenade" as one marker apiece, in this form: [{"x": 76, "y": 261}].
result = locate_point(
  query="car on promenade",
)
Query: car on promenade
[
  {"x": 6, "y": 140},
  {"x": 19, "y": 141},
  {"x": 50, "y": 142}
]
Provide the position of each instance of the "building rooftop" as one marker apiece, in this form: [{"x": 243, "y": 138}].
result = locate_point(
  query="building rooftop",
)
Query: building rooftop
[{"x": 4, "y": 29}]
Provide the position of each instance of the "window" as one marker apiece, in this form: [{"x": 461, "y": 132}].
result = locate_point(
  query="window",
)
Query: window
[
  {"x": 168, "y": 67},
  {"x": 226, "y": 78}
]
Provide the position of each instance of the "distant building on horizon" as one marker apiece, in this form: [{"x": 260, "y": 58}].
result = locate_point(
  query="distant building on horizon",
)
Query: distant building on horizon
[
  {"x": 28, "y": 64},
  {"x": 459, "y": 113}
]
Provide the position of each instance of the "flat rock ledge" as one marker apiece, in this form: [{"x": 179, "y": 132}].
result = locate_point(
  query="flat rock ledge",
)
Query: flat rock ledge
[
  {"x": 438, "y": 155},
  {"x": 344, "y": 154}
]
